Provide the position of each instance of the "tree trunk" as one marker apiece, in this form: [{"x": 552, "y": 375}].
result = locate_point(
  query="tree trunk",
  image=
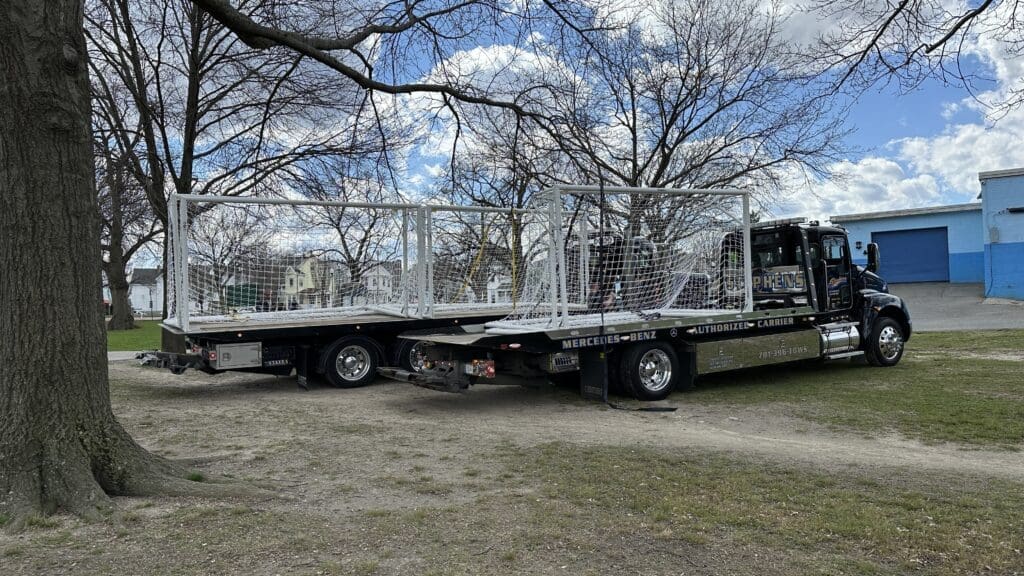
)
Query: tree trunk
[
  {"x": 121, "y": 317},
  {"x": 60, "y": 445}
]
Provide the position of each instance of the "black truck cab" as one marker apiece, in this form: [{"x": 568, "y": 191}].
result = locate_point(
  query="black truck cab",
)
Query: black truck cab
[{"x": 810, "y": 264}]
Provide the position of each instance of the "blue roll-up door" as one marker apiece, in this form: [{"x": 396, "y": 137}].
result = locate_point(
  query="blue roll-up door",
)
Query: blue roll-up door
[{"x": 914, "y": 255}]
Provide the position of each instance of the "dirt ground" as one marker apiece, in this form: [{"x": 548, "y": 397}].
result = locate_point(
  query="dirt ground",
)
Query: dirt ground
[{"x": 379, "y": 480}]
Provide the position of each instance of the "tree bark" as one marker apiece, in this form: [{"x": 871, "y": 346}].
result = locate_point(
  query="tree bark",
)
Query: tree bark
[{"x": 60, "y": 444}]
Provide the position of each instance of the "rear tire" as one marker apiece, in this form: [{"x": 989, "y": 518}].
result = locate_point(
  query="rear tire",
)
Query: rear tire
[
  {"x": 885, "y": 344},
  {"x": 649, "y": 370},
  {"x": 351, "y": 362},
  {"x": 409, "y": 354}
]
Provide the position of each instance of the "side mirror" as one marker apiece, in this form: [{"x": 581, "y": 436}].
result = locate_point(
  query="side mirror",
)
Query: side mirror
[{"x": 874, "y": 259}]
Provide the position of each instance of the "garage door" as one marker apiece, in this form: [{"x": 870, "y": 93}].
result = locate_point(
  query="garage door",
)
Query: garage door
[{"x": 914, "y": 255}]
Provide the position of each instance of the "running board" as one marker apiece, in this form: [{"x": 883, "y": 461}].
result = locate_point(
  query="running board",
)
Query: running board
[{"x": 841, "y": 355}]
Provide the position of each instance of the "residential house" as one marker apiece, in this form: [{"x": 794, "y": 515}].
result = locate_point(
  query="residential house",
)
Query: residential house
[
  {"x": 379, "y": 282},
  {"x": 146, "y": 290}
]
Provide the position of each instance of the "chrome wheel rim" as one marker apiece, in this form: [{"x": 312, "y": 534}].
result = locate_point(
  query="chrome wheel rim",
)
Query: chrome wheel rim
[
  {"x": 417, "y": 357},
  {"x": 890, "y": 343},
  {"x": 352, "y": 363},
  {"x": 655, "y": 370}
]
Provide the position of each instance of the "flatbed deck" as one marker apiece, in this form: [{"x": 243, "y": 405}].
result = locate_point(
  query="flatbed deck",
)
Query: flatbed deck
[
  {"x": 283, "y": 320},
  {"x": 706, "y": 322}
]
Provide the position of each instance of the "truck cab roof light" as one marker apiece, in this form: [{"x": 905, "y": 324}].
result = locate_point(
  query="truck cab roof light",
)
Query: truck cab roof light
[{"x": 779, "y": 222}]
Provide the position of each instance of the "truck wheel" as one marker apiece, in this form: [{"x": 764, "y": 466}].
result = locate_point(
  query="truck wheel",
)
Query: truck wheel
[
  {"x": 351, "y": 362},
  {"x": 885, "y": 344},
  {"x": 409, "y": 354},
  {"x": 649, "y": 370}
]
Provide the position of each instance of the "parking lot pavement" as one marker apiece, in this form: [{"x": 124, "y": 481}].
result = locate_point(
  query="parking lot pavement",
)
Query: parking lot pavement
[{"x": 938, "y": 307}]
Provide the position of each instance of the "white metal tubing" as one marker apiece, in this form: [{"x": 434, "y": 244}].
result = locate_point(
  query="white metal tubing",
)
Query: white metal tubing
[
  {"x": 172, "y": 251},
  {"x": 183, "y": 300},
  {"x": 553, "y": 224},
  {"x": 450, "y": 208},
  {"x": 646, "y": 190},
  {"x": 405, "y": 261},
  {"x": 584, "y": 259},
  {"x": 428, "y": 211},
  {"x": 382, "y": 205},
  {"x": 421, "y": 261},
  {"x": 261, "y": 200},
  {"x": 748, "y": 291},
  {"x": 560, "y": 245}
]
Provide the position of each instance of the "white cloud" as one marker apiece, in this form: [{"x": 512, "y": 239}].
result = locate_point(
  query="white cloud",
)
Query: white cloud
[
  {"x": 961, "y": 151},
  {"x": 870, "y": 185},
  {"x": 930, "y": 170}
]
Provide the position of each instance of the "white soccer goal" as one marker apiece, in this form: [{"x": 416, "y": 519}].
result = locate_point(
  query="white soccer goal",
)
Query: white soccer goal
[
  {"x": 245, "y": 261},
  {"x": 618, "y": 255}
]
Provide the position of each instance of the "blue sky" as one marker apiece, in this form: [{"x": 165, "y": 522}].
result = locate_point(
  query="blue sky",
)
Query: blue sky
[
  {"x": 923, "y": 147},
  {"x": 883, "y": 115}
]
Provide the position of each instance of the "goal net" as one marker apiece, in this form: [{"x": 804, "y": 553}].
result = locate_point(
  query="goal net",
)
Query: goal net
[
  {"x": 238, "y": 261},
  {"x": 618, "y": 255}
]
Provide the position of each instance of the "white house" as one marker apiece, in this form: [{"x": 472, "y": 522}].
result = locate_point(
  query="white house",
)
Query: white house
[
  {"x": 146, "y": 290},
  {"x": 499, "y": 288},
  {"x": 379, "y": 284}
]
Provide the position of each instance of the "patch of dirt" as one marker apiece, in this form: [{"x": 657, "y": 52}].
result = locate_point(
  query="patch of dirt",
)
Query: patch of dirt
[
  {"x": 259, "y": 410},
  {"x": 355, "y": 462}
]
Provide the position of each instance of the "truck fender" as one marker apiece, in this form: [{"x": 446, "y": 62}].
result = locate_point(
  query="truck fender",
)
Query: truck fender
[{"x": 881, "y": 304}]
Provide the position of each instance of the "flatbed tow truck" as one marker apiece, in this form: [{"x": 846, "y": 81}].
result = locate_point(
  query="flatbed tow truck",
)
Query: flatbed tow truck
[
  {"x": 642, "y": 290},
  {"x": 770, "y": 293}
]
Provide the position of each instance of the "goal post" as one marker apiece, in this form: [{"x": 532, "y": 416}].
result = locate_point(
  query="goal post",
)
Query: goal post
[
  {"x": 620, "y": 254},
  {"x": 245, "y": 260}
]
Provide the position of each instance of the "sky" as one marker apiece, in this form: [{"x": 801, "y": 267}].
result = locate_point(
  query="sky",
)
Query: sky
[
  {"x": 925, "y": 147},
  {"x": 908, "y": 150}
]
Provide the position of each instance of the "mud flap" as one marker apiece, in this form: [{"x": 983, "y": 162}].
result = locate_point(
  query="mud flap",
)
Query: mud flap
[
  {"x": 303, "y": 363},
  {"x": 594, "y": 375}
]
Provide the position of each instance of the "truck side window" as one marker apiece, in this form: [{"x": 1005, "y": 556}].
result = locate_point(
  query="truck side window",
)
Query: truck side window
[
  {"x": 837, "y": 271},
  {"x": 835, "y": 253}
]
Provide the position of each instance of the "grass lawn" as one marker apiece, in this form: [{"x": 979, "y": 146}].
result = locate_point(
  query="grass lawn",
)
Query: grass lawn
[
  {"x": 822, "y": 523},
  {"x": 965, "y": 387},
  {"x": 145, "y": 337}
]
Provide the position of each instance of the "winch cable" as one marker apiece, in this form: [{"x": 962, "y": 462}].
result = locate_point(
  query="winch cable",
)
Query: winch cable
[{"x": 601, "y": 333}]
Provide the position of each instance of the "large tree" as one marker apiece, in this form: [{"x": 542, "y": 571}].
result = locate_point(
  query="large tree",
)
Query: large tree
[
  {"x": 205, "y": 113},
  {"x": 60, "y": 444}
]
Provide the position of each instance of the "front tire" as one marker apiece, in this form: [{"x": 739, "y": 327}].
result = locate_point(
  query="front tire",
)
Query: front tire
[
  {"x": 885, "y": 344},
  {"x": 351, "y": 362},
  {"x": 649, "y": 370}
]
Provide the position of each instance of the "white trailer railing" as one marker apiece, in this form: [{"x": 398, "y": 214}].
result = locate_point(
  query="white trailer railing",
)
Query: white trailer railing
[
  {"x": 251, "y": 260},
  {"x": 579, "y": 256},
  {"x": 621, "y": 254}
]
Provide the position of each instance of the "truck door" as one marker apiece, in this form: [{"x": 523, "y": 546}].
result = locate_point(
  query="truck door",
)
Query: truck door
[{"x": 836, "y": 288}]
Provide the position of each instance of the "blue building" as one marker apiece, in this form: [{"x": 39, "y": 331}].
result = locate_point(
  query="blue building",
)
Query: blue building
[
  {"x": 971, "y": 243},
  {"x": 1002, "y": 199},
  {"x": 938, "y": 244}
]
